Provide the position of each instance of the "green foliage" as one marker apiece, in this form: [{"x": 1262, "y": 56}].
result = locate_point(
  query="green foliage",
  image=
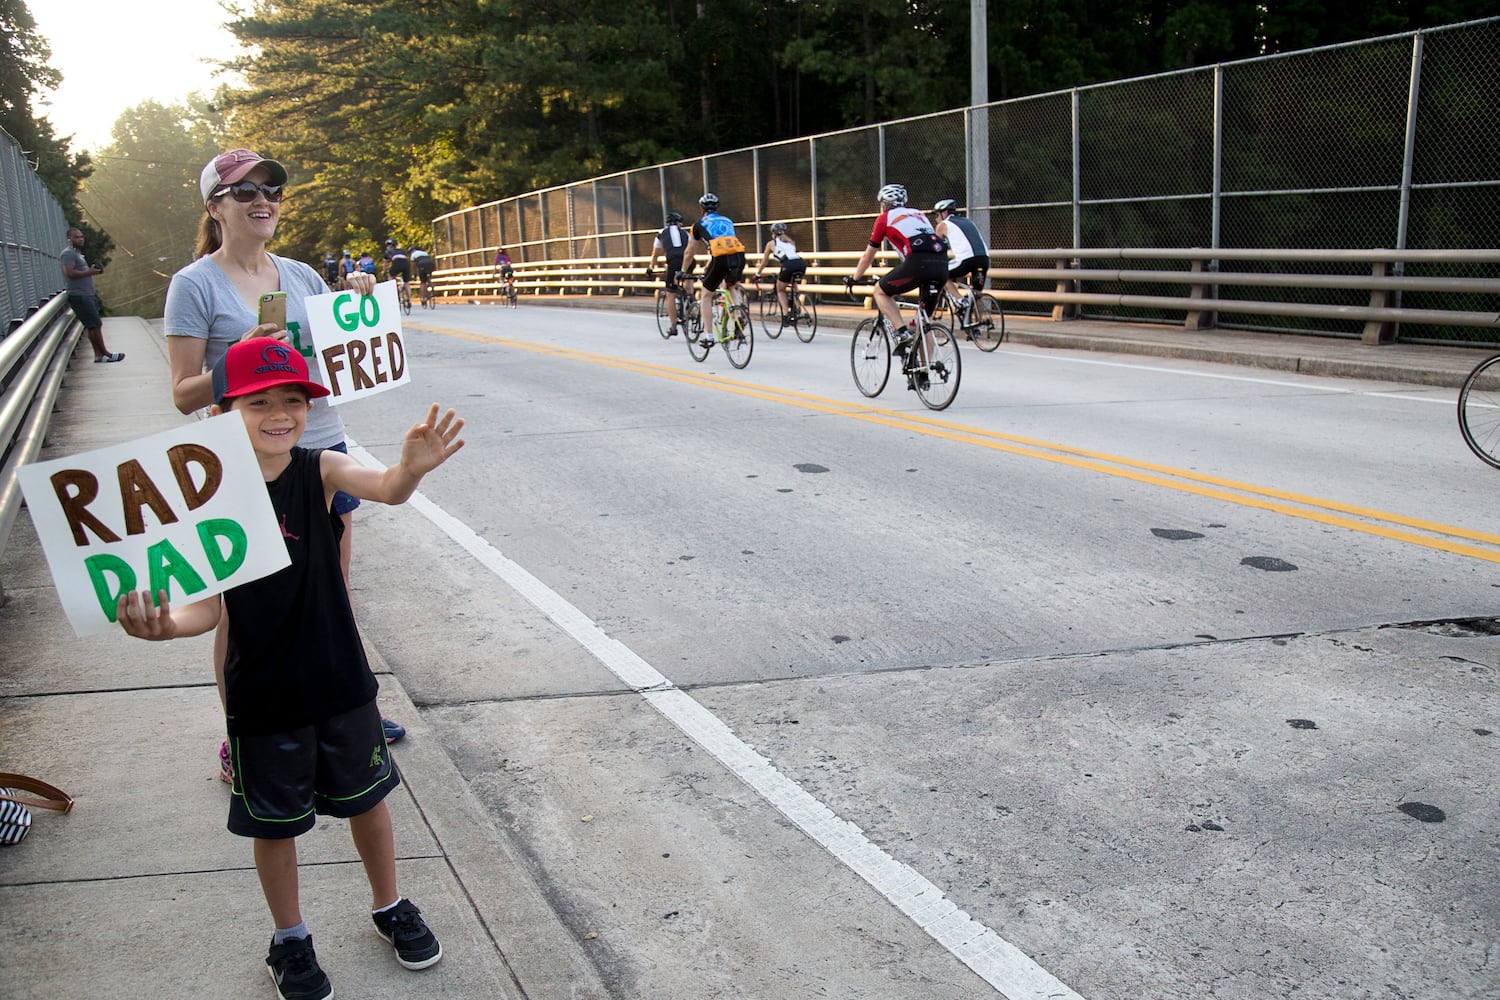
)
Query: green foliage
[
  {"x": 23, "y": 73},
  {"x": 144, "y": 190},
  {"x": 391, "y": 112}
]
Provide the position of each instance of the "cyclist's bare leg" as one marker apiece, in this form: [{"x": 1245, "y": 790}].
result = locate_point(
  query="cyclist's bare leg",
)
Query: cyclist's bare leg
[
  {"x": 781, "y": 296},
  {"x": 959, "y": 292},
  {"x": 888, "y": 308}
]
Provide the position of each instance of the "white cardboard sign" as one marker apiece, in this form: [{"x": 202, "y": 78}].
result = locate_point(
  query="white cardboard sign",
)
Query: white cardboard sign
[
  {"x": 184, "y": 511},
  {"x": 357, "y": 342}
]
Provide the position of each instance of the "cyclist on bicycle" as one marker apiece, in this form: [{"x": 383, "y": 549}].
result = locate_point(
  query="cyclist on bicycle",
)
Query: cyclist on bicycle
[
  {"x": 502, "y": 264},
  {"x": 793, "y": 267},
  {"x": 670, "y": 243},
  {"x": 331, "y": 270},
  {"x": 971, "y": 256},
  {"x": 346, "y": 268},
  {"x": 366, "y": 263},
  {"x": 924, "y": 258},
  {"x": 397, "y": 264},
  {"x": 726, "y": 265},
  {"x": 425, "y": 265}
]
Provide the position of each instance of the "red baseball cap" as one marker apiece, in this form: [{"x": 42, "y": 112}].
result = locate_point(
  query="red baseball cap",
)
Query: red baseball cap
[
  {"x": 231, "y": 168},
  {"x": 258, "y": 364}
]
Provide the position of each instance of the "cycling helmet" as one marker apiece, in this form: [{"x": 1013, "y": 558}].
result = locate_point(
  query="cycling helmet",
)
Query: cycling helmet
[
  {"x": 673, "y": 217},
  {"x": 390, "y": 242},
  {"x": 946, "y": 205},
  {"x": 893, "y": 195},
  {"x": 779, "y": 229},
  {"x": 709, "y": 201}
]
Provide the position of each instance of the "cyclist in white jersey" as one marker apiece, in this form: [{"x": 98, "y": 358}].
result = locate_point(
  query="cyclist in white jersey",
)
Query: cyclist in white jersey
[
  {"x": 792, "y": 264},
  {"x": 971, "y": 256}
]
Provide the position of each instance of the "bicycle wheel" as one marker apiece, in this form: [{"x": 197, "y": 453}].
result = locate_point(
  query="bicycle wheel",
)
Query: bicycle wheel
[
  {"x": 806, "y": 323},
  {"x": 663, "y": 325},
  {"x": 936, "y": 378},
  {"x": 404, "y": 294},
  {"x": 1479, "y": 410},
  {"x": 770, "y": 315},
  {"x": 427, "y": 302},
  {"x": 740, "y": 337},
  {"x": 870, "y": 357},
  {"x": 699, "y": 340},
  {"x": 989, "y": 328}
]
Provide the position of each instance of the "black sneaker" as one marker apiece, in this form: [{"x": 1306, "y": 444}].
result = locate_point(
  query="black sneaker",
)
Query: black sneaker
[
  {"x": 294, "y": 969},
  {"x": 402, "y": 925}
]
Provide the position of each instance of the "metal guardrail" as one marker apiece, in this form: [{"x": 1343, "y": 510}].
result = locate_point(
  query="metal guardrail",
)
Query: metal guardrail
[
  {"x": 33, "y": 360},
  {"x": 1202, "y": 278}
]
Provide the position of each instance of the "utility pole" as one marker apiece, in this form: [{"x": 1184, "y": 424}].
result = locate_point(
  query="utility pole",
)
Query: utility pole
[{"x": 978, "y": 195}]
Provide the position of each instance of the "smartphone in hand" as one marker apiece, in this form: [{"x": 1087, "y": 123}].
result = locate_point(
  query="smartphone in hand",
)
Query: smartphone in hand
[{"x": 273, "y": 309}]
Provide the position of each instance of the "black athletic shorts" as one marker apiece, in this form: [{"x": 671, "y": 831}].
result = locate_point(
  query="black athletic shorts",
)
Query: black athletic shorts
[
  {"x": 974, "y": 268},
  {"x": 402, "y": 266},
  {"x": 669, "y": 276},
  {"x": 728, "y": 268},
  {"x": 337, "y": 767},
  {"x": 916, "y": 270},
  {"x": 791, "y": 269}
]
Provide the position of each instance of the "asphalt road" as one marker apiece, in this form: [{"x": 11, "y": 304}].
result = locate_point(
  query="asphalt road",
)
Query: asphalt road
[{"x": 1122, "y": 678}]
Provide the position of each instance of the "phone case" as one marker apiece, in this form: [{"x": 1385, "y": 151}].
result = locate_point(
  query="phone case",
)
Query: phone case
[{"x": 273, "y": 309}]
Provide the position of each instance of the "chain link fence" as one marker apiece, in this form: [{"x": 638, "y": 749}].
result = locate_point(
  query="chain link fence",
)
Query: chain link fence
[
  {"x": 33, "y": 235},
  {"x": 1389, "y": 143}
]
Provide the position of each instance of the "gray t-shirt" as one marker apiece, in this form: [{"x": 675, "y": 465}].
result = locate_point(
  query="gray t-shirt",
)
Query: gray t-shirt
[
  {"x": 77, "y": 286},
  {"x": 203, "y": 303}
]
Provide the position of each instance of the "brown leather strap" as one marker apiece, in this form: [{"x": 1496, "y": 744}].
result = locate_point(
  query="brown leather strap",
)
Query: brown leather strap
[{"x": 52, "y": 796}]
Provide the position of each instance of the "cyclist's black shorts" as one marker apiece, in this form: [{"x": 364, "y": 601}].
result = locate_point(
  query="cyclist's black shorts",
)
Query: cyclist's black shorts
[
  {"x": 791, "y": 270},
  {"x": 918, "y": 269},
  {"x": 425, "y": 267},
  {"x": 974, "y": 268},
  {"x": 729, "y": 268},
  {"x": 401, "y": 267},
  {"x": 669, "y": 277}
]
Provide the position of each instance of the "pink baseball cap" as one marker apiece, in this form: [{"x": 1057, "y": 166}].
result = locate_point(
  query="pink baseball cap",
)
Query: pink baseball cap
[{"x": 231, "y": 168}]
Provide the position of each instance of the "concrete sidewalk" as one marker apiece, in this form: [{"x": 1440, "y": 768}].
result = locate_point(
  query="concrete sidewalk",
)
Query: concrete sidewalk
[{"x": 141, "y": 892}]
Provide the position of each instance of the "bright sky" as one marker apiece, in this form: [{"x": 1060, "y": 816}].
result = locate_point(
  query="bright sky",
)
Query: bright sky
[{"x": 114, "y": 55}]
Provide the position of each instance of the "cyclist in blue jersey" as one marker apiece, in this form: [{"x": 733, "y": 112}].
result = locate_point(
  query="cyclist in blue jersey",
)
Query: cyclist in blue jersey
[{"x": 715, "y": 233}]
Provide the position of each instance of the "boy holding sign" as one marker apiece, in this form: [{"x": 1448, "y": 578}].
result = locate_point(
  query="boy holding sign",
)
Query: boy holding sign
[{"x": 304, "y": 731}]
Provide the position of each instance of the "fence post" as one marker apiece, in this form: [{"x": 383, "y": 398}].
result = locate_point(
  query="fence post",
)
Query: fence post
[
  {"x": 1064, "y": 310},
  {"x": 1379, "y": 331},
  {"x": 1197, "y": 319}
]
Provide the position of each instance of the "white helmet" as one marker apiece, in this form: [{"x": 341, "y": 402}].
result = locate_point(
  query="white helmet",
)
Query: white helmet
[
  {"x": 893, "y": 195},
  {"x": 709, "y": 201}
]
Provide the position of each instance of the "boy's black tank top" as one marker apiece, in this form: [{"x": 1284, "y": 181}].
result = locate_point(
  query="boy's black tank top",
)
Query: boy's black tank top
[{"x": 294, "y": 655}]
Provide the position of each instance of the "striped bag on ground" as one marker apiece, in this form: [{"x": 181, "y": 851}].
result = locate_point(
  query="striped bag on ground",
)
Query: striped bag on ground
[{"x": 15, "y": 817}]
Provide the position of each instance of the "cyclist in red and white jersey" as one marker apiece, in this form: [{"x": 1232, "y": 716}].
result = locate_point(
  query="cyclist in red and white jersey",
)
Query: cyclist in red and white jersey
[{"x": 924, "y": 256}]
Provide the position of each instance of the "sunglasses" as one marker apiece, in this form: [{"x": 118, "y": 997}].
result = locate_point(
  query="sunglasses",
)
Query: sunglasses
[{"x": 245, "y": 191}]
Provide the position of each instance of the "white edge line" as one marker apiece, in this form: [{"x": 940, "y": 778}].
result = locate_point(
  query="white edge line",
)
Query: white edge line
[{"x": 995, "y": 960}]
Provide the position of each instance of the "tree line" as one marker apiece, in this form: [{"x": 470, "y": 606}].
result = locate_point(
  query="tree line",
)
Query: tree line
[{"x": 391, "y": 112}]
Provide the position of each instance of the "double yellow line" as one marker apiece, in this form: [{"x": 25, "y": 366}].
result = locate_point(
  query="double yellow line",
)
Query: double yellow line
[{"x": 1396, "y": 527}]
